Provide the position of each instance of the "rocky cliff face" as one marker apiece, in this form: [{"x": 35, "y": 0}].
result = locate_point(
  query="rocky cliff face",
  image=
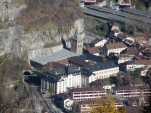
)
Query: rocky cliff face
[
  {"x": 17, "y": 42},
  {"x": 37, "y": 37},
  {"x": 24, "y": 32}
]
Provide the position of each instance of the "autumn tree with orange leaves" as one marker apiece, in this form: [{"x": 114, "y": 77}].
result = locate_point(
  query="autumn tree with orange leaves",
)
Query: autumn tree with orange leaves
[{"x": 107, "y": 106}]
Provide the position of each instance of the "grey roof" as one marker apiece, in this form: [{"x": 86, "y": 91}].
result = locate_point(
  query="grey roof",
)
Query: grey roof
[
  {"x": 52, "y": 57},
  {"x": 101, "y": 65},
  {"x": 98, "y": 62},
  {"x": 65, "y": 70},
  {"x": 50, "y": 77},
  {"x": 55, "y": 75}
]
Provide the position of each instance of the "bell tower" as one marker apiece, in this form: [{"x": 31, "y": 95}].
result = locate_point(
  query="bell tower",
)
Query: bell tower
[{"x": 77, "y": 40}]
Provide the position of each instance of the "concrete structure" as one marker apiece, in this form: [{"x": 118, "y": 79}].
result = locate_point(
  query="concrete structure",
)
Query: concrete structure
[
  {"x": 42, "y": 52},
  {"x": 104, "y": 73},
  {"x": 48, "y": 85},
  {"x": 74, "y": 80},
  {"x": 101, "y": 43},
  {"x": 125, "y": 58},
  {"x": 102, "y": 4},
  {"x": 96, "y": 67},
  {"x": 127, "y": 16},
  {"x": 139, "y": 63},
  {"x": 59, "y": 80},
  {"x": 80, "y": 72},
  {"x": 133, "y": 93},
  {"x": 145, "y": 70},
  {"x": 83, "y": 94},
  {"x": 125, "y": 3},
  {"x": 77, "y": 41},
  {"x": 89, "y": 97},
  {"x": 68, "y": 104},
  {"x": 132, "y": 67}
]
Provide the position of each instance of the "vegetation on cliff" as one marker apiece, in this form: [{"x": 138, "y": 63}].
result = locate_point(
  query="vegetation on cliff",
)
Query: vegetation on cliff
[
  {"x": 13, "y": 94},
  {"x": 47, "y": 14}
]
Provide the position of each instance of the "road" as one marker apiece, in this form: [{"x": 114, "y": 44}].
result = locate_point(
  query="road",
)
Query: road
[
  {"x": 41, "y": 104},
  {"x": 124, "y": 16}
]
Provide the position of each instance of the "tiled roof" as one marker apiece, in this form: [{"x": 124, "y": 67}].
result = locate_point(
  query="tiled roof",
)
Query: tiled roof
[
  {"x": 93, "y": 50},
  {"x": 140, "y": 39},
  {"x": 115, "y": 45},
  {"x": 143, "y": 61},
  {"x": 131, "y": 51},
  {"x": 60, "y": 63}
]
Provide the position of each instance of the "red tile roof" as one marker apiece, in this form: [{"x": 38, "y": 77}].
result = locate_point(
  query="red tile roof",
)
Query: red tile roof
[
  {"x": 115, "y": 45},
  {"x": 140, "y": 39},
  {"x": 93, "y": 50},
  {"x": 131, "y": 51}
]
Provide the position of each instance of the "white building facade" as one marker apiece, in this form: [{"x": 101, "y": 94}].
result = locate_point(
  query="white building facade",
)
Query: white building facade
[
  {"x": 133, "y": 93},
  {"x": 115, "y": 50},
  {"x": 88, "y": 94},
  {"x": 48, "y": 87},
  {"x": 124, "y": 59},
  {"x": 103, "y": 73},
  {"x": 76, "y": 80},
  {"x": 132, "y": 67},
  {"x": 101, "y": 43}
]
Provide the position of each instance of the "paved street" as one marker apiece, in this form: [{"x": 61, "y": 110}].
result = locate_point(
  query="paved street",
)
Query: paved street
[{"x": 41, "y": 104}]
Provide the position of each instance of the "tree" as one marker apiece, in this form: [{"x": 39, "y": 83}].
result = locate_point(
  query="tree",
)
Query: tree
[
  {"x": 135, "y": 74},
  {"x": 147, "y": 4},
  {"x": 147, "y": 109},
  {"x": 133, "y": 2},
  {"x": 14, "y": 95},
  {"x": 114, "y": 80},
  {"x": 44, "y": 15},
  {"x": 142, "y": 4},
  {"x": 120, "y": 80},
  {"x": 122, "y": 110},
  {"x": 107, "y": 106}
]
